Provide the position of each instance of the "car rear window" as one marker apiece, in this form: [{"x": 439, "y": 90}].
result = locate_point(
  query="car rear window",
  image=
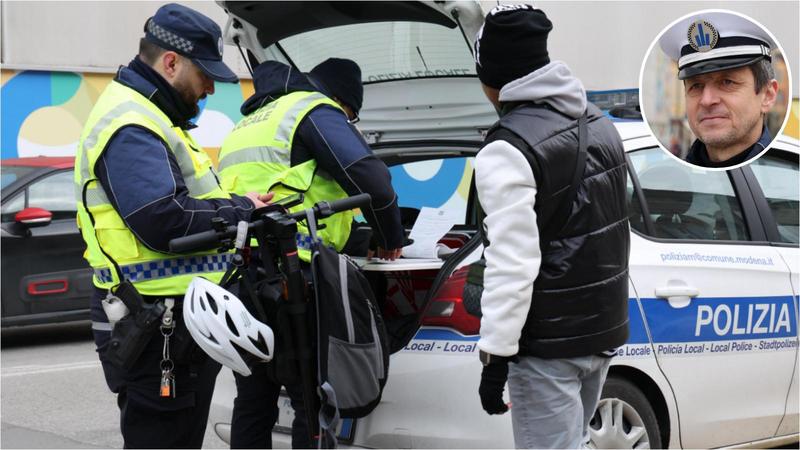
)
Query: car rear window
[{"x": 384, "y": 50}]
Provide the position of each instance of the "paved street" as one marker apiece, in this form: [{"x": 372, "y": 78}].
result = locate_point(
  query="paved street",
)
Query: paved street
[
  {"x": 53, "y": 391},
  {"x": 54, "y": 394}
]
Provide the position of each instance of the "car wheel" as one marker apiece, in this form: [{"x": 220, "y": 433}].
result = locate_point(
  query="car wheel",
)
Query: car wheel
[{"x": 623, "y": 418}]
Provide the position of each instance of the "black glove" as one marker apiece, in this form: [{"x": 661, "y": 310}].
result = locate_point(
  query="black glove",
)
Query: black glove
[{"x": 493, "y": 382}]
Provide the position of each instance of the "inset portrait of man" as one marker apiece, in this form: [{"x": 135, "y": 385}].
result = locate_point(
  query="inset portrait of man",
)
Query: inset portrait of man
[{"x": 729, "y": 88}]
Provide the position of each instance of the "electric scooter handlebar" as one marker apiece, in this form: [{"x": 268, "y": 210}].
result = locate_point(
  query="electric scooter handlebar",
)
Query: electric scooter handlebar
[
  {"x": 324, "y": 209},
  {"x": 199, "y": 241},
  {"x": 213, "y": 238}
]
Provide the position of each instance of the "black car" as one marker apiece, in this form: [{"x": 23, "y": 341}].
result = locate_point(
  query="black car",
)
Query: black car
[{"x": 44, "y": 276}]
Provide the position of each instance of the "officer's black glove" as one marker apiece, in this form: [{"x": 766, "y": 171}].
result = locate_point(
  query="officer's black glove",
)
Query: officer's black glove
[{"x": 493, "y": 382}]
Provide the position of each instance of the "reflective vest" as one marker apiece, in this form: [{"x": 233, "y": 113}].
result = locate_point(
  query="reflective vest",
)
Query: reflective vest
[
  {"x": 106, "y": 234},
  {"x": 256, "y": 157}
]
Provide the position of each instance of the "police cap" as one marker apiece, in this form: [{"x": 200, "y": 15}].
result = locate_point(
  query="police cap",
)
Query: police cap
[
  {"x": 712, "y": 41},
  {"x": 191, "y": 34}
]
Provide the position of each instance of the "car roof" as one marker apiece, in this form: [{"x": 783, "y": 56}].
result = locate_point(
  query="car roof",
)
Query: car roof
[
  {"x": 54, "y": 162},
  {"x": 631, "y": 130},
  {"x": 787, "y": 140},
  {"x": 636, "y": 135}
]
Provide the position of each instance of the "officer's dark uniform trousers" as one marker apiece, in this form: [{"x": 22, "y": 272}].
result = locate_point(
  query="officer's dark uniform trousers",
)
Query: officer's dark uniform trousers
[
  {"x": 255, "y": 410},
  {"x": 252, "y": 424},
  {"x": 137, "y": 391}
]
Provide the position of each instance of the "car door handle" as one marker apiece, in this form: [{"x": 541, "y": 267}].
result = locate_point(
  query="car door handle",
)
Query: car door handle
[{"x": 677, "y": 293}]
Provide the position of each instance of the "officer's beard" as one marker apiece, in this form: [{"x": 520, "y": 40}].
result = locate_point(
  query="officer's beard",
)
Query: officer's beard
[{"x": 188, "y": 107}]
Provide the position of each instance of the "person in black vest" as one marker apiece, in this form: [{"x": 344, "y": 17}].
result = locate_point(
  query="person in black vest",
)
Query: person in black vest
[{"x": 555, "y": 300}]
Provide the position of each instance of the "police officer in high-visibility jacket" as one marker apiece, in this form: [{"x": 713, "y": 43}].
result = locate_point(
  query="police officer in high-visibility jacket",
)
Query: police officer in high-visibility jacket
[
  {"x": 142, "y": 180},
  {"x": 295, "y": 137}
]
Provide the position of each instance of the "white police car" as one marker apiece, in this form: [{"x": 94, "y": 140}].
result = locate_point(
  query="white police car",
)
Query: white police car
[
  {"x": 712, "y": 355},
  {"x": 713, "y": 318}
]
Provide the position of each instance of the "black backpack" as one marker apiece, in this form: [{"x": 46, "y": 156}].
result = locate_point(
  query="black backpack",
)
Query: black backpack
[{"x": 352, "y": 347}]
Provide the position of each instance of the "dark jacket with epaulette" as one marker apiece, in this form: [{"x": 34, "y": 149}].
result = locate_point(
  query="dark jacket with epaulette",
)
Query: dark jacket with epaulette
[{"x": 580, "y": 296}]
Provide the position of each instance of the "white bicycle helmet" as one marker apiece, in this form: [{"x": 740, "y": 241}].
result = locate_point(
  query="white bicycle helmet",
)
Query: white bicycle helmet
[{"x": 221, "y": 325}]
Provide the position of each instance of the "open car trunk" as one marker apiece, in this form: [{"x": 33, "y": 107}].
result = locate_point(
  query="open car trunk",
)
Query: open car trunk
[
  {"x": 412, "y": 298},
  {"x": 424, "y": 114},
  {"x": 412, "y": 294}
]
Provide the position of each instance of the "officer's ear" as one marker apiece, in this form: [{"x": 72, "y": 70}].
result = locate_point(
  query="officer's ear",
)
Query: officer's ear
[
  {"x": 169, "y": 64},
  {"x": 770, "y": 96}
]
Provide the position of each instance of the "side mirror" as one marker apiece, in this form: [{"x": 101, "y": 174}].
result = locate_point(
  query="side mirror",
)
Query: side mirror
[{"x": 33, "y": 217}]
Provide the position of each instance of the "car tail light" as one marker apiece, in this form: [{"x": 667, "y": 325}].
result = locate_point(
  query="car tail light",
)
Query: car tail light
[{"x": 446, "y": 308}]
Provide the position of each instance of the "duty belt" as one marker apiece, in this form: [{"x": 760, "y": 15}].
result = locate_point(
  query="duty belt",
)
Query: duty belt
[{"x": 164, "y": 268}]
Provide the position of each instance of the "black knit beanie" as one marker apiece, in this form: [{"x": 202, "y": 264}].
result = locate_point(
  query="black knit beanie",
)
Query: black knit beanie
[
  {"x": 342, "y": 78},
  {"x": 511, "y": 44}
]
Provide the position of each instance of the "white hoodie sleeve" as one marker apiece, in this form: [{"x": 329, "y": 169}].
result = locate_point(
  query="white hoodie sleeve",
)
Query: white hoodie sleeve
[{"x": 507, "y": 192}]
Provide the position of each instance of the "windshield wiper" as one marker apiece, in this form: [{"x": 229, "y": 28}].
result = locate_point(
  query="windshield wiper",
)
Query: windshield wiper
[{"x": 419, "y": 52}]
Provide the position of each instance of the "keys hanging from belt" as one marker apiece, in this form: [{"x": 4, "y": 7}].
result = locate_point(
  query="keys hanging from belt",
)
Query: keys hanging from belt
[{"x": 167, "y": 387}]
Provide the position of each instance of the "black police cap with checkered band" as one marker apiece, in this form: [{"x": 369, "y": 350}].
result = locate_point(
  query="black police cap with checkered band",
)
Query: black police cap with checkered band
[{"x": 191, "y": 34}]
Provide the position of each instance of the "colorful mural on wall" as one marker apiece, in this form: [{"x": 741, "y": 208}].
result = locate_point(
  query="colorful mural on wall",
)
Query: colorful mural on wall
[
  {"x": 43, "y": 114},
  {"x": 793, "y": 125}
]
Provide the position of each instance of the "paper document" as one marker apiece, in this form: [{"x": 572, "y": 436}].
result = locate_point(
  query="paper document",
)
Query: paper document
[
  {"x": 398, "y": 265},
  {"x": 431, "y": 225}
]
